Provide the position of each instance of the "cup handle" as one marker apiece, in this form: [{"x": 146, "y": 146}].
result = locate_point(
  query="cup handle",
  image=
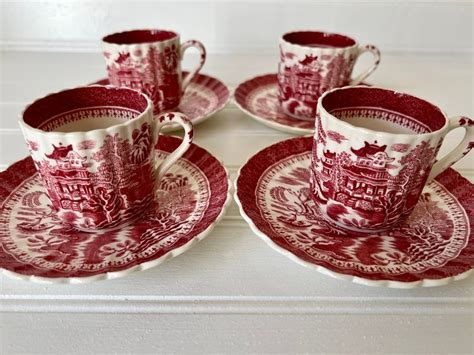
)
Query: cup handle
[
  {"x": 172, "y": 118},
  {"x": 462, "y": 148},
  {"x": 376, "y": 53},
  {"x": 202, "y": 59}
]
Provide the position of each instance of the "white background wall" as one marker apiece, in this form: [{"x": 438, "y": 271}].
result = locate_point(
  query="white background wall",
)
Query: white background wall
[{"x": 240, "y": 26}]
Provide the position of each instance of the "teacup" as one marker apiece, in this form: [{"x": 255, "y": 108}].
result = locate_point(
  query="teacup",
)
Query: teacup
[
  {"x": 94, "y": 150},
  {"x": 374, "y": 150},
  {"x": 313, "y": 62},
  {"x": 150, "y": 61}
]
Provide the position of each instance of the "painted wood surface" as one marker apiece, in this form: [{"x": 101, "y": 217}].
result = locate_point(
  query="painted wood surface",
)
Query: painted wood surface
[{"x": 231, "y": 293}]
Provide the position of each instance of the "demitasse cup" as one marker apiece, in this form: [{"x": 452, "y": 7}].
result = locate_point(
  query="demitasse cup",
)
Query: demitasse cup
[
  {"x": 93, "y": 148},
  {"x": 150, "y": 61},
  {"x": 313, "y": 62},
  {"x": 374, "y": 150}
]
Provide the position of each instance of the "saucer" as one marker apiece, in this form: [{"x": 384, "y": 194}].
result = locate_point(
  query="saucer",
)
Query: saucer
[
  {"x": 258, "y": 98},
  {"x": 433, "y": 247},
  {"x": 204, "y": 97},
  {"x": 193, "y": 197}
]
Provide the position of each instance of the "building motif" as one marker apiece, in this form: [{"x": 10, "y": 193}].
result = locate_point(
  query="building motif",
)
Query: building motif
[
  {"x": 367, "y": 180},
  {"x": 430, "y": 237},
  {"x": 125, "y": 72},
  {"x": 70, "y": 178},
  {"x": 42, "y": 243},
  {"x": 156, "y": 73},
  {"x": 303, "y": 81},
  {"x": 120, "y": 183}
]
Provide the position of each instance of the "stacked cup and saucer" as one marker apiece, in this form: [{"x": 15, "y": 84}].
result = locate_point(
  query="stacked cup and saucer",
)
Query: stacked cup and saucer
[
  {"x": 363, "y": 198},
  {"x": 102, "y": 194}
]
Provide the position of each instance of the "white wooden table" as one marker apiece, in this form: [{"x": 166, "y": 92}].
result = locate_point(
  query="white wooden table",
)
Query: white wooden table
[{"x": 231, "y": 292}]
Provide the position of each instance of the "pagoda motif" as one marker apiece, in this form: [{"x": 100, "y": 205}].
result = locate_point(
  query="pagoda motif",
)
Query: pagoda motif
[
  {"x": 302, "y": 80},
  {"x": 363, "y": 179},
  {"x": 156, "y": 73},
  {"x": 69, "y": 179},
  {"x": 116, "y": 180},
  {"x": 125, "y": 72}
]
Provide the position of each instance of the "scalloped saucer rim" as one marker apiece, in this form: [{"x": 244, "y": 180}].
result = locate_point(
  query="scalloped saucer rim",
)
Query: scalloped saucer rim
[
  {"x": 425, "y": 282},
  {"x": 106, "y": 275}
]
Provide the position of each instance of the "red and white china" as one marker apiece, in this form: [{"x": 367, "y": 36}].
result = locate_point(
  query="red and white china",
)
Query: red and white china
[
  {"x": 433, "y": 247},
  {"x": 374, "y": 151},
  {"x": 150, "y": 61},
  {"x": 93, "y": 149},
  {"x": 313, "y": 62},
  {"x": 204, "y": 97},
  {"x": 258, "y": 98},
  {"x": 36, "y": 246}
]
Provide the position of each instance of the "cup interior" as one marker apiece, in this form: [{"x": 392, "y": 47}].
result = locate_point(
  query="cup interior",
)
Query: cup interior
[
  {"x": 383, "y": 110},
  {"x": 84, "y": 109},
  {"x": 318, "y": 39},
  {"x": 139, "y": 36}
]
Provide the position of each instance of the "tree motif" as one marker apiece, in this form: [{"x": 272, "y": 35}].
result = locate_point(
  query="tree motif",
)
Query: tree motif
[
  {"x": 111, "y": 202},
  {"x": 335, "y": 69},
  {"x": 142, "y": 144},
  {"x": 415, "y": 171},
  {"x": 347, "y": 69},
  {"x": 171, "y": 59},
  {"x": 293, "y": 205},
  {"x": 321, "y": 134},
  {"x": 114, "y": 159},
  {"x": 152, "y": 62}
]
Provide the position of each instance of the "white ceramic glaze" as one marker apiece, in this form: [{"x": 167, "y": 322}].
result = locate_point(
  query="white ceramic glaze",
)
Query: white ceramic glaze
[
  {"x": 150, "y": 60},
  {"x": 434, "y": 247},
  {"x": 258, "y": 98},
  {"x": 36, "y": 247},
  {"x": 312, "y": 63},
  {"x": 93, "y": 147},
  {"x": 374, "y": 151},
  {"x": 204, "y": 97}
]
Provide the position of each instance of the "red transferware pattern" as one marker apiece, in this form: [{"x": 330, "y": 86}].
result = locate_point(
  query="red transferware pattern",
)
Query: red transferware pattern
[
  {"x": 434, "y": 246},
  {"x": 193, "y": 195},
  {"x": 204, "y": 97}
]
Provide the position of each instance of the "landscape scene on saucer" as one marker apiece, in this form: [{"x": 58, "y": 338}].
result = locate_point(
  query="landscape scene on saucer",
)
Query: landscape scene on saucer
[
  {"x": 372, "y": 184},
  {"x": 434, "y": 234},
  {"x": 303, "y": 80},
  {"x": 32, "y": 234},
  {"x": 116, "y": 184},
  {"x": 156, "y": 73}
]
